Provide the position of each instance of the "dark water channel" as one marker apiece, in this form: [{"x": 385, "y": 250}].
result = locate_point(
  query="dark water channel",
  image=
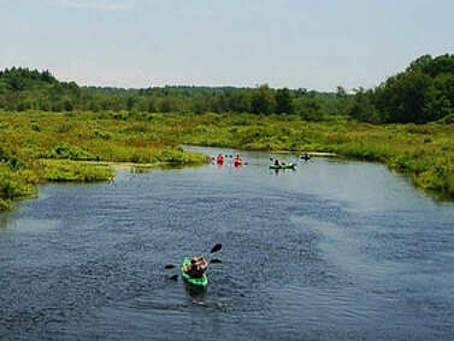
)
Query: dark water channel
[{"x": 332, "y": 251}]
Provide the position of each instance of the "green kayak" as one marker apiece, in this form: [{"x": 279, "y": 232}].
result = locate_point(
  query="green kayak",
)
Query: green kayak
[
  {"x": 201, "y": 282},
  {"x": 290, "y": 165}
]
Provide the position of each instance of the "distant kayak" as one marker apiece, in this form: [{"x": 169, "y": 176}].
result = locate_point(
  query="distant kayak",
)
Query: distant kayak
[
  {"x": 201, "y": 282},
  {"x": 290, "y": 165},
  {"x": 220, "y": 160}
]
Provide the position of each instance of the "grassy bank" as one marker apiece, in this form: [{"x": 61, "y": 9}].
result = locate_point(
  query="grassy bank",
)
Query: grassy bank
[{"x": 36, "y": 147}]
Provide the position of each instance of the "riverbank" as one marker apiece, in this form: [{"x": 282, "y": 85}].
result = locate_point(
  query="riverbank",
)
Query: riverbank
[
  {"x": 38, "y": 147},
  {"x": 425, "y": 153}
]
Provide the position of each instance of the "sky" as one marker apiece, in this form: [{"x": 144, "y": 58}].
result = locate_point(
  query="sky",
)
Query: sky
[{"x": 313, "y": 44}]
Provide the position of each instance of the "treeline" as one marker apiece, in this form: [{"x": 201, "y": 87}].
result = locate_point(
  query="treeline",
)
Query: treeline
[
  {"x": 424, "y": 92},
  {"x": 22, "y": 89}
]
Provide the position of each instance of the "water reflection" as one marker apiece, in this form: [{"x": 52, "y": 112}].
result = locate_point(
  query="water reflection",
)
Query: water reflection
[
  {"x": 198, "y": 294},
  {"x": 282, "y": 171}
]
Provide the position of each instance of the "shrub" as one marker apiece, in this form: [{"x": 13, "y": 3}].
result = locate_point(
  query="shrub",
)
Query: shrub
[{"x": 67, "y": 151}]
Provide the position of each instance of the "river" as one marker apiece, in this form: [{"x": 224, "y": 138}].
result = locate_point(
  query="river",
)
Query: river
[{"x": 335, "y": 250}]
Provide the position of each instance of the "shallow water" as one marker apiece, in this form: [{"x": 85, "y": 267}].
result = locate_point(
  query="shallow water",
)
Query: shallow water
[{"x": 334, "y": 250}]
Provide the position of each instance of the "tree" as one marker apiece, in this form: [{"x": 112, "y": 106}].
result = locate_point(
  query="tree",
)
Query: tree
[
  {"x": 402, "y": 97},
  {"x": 130, "y": 103},
  {"x": 363, "y": 109},
  {"x": 340, "y": 92},
  {"x": 436, "y": 105},
  {"x": 263, "y": 101},
  {"x": 284, "y": 101}
]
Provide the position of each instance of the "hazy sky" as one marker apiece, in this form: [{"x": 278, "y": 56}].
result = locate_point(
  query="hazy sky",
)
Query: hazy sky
[{"x": 314, "y": 44}]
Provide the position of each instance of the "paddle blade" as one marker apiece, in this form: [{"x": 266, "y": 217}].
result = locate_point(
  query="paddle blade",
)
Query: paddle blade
[
  {"x": 169, "y": 266},
  {"x": 215, "y": 261},
  {"x": 216, "y": 248},
  {"x": 174, "y": 278}
]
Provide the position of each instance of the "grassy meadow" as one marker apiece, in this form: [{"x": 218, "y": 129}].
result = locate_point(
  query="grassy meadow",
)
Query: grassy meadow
[{"x": 37, "y": 147}]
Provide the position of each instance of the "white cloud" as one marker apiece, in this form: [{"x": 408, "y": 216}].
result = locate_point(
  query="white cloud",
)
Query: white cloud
[{"x": 105, "y": 5}]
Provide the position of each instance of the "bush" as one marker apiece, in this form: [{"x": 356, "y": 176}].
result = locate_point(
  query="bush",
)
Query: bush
[
  {"x": 64, "y": 171},
  {"x": 67, "y": 151},
  {"x": 448, "y": 119},
  {"x": 13, "y": 186}
]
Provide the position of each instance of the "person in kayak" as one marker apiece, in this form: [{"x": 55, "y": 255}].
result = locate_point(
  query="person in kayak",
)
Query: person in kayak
[
  {"x": 276, "y": 162},
  {"x": 197, "y": 267}
]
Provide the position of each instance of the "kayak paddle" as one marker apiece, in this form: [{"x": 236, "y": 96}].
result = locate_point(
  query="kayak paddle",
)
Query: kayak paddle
[{"x": 216, "y": 248}]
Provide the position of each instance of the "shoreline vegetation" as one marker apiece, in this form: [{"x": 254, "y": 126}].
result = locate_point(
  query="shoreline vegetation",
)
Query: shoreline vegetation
[
  {"x": 52, "y": 131},
  {"x": 39, "y": 147}
]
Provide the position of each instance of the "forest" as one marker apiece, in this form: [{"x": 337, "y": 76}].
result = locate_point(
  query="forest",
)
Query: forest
[
  {"x": 423, "y": 93},
  {"x": 22, "y": 89}
]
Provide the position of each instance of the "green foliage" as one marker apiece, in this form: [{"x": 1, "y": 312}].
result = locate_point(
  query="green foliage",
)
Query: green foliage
[
  {"x": 64, "y": 171},
  {"x": 448, "y": 119},
  {"x": 422, "y": 93},
  {"x": 284, "y": 102},
  {"x": 5, "y": 205},
  {"x": 24, "y": 89},
  {"x": 263, "y": 101},
  {"x": 29, "y": 140},
  {"x": 67, "y": 151},
  {"x": 13, "y": 185}
]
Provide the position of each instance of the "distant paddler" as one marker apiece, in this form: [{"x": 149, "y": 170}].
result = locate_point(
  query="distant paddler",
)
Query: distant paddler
[
  {"x": 220, "y": 159},
  {"x": 305, "y": 156},
  {"x": 237, "y": 162}
]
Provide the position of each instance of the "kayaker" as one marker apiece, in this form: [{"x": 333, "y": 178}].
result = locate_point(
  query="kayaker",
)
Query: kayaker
[
  {"x": 237, "y": 161},
  {"x": 197, "y": 267},
  {"x": 276, "y": 162},
  {"x": 305, "y": 156}
]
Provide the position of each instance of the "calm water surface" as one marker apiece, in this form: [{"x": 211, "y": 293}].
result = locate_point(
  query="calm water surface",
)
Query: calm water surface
[{"x": 332, "y": 251}]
